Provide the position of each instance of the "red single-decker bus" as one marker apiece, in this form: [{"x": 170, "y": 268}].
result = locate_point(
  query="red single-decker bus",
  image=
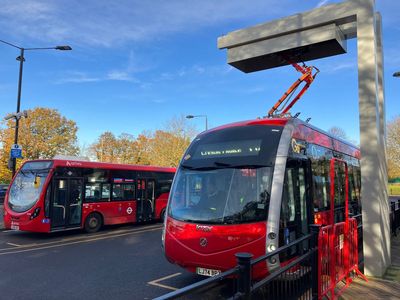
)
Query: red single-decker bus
[{"x": 55, "y": 195}]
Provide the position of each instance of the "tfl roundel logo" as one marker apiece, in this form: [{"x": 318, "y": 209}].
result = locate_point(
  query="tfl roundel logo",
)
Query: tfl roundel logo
[{"x": 203, "y": 242}]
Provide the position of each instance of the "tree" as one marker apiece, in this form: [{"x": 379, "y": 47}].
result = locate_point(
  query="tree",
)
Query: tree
[
  {"x": 164, "y": 147},
  {"x": 338, "y": 132},
  {"x": 393, "y": 147},
  {"x": 109, "y": 148},
  {"x": 43, "y": 134},
  {"x": 167, "y": 148}
]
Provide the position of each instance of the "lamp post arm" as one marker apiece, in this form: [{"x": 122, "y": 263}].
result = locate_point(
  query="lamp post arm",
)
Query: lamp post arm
[
  {"x": 12, "y": 45},
  {"x": 45, "y": 48}
]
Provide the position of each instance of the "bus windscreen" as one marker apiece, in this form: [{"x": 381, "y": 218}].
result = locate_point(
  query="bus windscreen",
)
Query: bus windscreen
[{"x": 27, "y": 185}]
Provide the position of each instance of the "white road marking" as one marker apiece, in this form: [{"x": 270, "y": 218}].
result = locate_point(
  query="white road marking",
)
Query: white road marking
[
  {"x": 156, "y": 282},
  {"x": 15, "y": 245},
  {"x": 39, "y": 246},
  {"x": 90, "y": 236}
]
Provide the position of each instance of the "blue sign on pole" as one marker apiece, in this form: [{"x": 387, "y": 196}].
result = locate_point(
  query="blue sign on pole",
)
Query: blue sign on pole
[{"x": 16, "y": 151}]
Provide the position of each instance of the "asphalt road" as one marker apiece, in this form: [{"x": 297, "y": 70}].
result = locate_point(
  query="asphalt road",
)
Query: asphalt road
[{"x": 124, "y": 262}]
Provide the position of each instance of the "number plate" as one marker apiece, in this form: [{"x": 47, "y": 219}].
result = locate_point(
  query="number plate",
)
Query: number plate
[
  {"x": 14, "y": 226},
  {"x": 207, "y": 272}
]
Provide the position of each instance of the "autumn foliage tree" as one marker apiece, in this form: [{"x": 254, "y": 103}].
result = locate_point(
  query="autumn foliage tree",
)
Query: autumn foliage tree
[
  {"x": 109, "y": 148},
  {"x": 163, "y": 147},
  {"x": 393, "y": 147},
  {"x": 43, "y": 134}
]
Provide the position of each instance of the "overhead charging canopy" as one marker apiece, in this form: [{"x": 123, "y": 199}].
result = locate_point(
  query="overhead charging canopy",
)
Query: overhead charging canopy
[{"x": 298, "y": 46}]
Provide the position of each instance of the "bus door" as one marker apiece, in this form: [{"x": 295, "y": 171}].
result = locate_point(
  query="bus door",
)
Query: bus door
[
  {"x": 339, "y": 207},
  {"x": 145, "y": 199},
  {"x": 295, "y": 211},
  {"x": 66, "y": 209}
]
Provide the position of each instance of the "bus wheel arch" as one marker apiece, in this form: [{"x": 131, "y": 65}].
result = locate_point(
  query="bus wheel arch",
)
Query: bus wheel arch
[{"x": 93, "y": 222}]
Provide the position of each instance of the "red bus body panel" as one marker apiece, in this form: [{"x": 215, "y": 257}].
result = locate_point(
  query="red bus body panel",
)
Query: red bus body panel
[
  {"x": 183, "y": 247},
  {"x": 23, "y": 220}
]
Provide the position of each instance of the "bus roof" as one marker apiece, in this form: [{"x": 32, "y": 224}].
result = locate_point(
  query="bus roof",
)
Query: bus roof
[
  {"x": 102, "y": 165},
  {"x": 304, "y": 131}
]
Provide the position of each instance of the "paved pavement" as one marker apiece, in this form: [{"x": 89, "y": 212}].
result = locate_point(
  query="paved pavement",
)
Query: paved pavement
[{"x": 387, "y": 287}]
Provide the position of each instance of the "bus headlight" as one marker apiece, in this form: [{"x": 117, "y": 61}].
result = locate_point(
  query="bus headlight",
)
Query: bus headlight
[{"x": 35, "y": 213}]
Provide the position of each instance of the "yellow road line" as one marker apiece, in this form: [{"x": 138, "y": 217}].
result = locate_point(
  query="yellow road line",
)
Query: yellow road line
[
  {"x": 76, "y": 242},
  {"x": 110, "y": 233},
  {"x": 156, "y": 282}
]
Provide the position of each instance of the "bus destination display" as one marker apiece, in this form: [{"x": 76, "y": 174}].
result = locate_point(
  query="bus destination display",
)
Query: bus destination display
[{"x": 228, "y": 149}]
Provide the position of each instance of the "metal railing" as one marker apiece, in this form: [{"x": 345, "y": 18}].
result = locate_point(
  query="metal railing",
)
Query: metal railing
[
  {"x": 296, "y": 279},
  {"x": 395, "y": 216}
]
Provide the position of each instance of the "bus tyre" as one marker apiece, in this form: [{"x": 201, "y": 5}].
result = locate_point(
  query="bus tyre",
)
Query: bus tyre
[
  {"x": 93, "y": 223},
  {"x": 162, "y": 215}
]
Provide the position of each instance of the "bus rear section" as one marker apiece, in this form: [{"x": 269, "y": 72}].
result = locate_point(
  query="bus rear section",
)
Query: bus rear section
[{"x": 73, "y": 195}]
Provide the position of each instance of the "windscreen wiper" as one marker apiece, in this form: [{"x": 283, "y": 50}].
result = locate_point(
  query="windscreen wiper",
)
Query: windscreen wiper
[
  {"x": 208, "y": 168},
  {"x": 221, "y": 164}
]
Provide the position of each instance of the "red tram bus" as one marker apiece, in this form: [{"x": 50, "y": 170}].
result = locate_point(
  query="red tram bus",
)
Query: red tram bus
[
  {"x": 56, "y": 195},
  {"x": 255, "y": 186}
]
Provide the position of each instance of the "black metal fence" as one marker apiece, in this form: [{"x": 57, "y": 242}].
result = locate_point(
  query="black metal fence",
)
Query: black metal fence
[
  {"x": 395, "y": 216},
  {"x": 298, "y": 279}
]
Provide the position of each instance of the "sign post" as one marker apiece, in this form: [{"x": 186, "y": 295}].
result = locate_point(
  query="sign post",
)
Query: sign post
[{"x": 16, "y": 151}]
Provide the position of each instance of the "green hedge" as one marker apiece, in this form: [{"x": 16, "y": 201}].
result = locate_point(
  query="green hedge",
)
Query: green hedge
[{"x": 394, "y": 189}]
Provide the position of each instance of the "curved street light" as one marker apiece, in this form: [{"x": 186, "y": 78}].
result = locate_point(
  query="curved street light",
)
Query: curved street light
[
  {"x": 396, "y": 74},
  {"x": 21, "y": 60},
  {"x": 198, "y": 116}
]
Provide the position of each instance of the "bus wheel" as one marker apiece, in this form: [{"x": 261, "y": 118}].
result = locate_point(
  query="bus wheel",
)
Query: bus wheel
[
  {"x": 162, "y": 215},
  {"x": 93, "y": 223}
]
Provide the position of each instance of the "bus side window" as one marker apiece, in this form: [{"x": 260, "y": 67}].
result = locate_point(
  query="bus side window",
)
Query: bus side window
[
  {"x": 123, "y": 191},
  {"x": 117, "y": 192},
  {"x": 321, "y": 184},
  {"x": 340, "y": 192},
  {"x": 105, "y": 192},
  {"x": 92, "y": 192},
  {"x": 288, "y": 205}
]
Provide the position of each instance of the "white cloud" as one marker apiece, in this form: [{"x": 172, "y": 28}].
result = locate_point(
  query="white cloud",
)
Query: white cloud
[
  {"x": 83, "y": 77},
  {"x": 343, "y": 66},
  {"x": 120, "y": 76},
  {"x": 322, "y": 2},
  {"x": 108, "y": 23},
  {"x": 76, "y": 77}
]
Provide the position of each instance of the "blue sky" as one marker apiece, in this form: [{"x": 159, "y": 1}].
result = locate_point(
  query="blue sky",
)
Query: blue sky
[{"x": 137, "y": 64}]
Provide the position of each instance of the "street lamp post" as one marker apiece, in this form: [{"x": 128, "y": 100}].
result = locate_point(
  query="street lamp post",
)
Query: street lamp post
[
  {"x": 21, "y": 60},
  {"x": 198, "y": 116}
]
